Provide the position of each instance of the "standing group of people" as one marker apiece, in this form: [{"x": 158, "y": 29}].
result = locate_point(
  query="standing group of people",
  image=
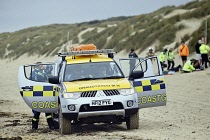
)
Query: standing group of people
[
  {"x": 199, "y": 63},
  {"x": 169, "y": 56},
  {"x": 166, "y": 54},
  {"x": 188, "y": 65},
  {"x": 201, "y": 60}
]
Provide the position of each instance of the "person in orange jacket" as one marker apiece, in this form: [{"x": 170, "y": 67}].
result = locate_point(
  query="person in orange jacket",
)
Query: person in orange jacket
[{"x": 183, "y": 52}]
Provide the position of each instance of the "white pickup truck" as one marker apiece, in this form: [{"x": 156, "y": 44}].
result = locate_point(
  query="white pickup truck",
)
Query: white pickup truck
[{"x": 80, "y": 92}]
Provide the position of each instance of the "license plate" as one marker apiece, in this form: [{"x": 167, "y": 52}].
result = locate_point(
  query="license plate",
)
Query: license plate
[{"x": 101, "y": 102}]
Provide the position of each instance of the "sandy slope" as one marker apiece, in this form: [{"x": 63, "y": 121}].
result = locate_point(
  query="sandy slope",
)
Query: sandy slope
[{"x": 186, "y": 115}]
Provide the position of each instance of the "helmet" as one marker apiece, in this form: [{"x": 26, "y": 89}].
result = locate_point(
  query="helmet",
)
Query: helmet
[
  {"x": 150, "y": 48},
  {"x": 49, "y": 68}
]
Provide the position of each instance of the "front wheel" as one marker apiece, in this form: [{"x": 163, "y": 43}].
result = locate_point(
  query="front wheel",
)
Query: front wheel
[
  {"x": 132, "y": 122},
  {"x": 64, "y": 123}
]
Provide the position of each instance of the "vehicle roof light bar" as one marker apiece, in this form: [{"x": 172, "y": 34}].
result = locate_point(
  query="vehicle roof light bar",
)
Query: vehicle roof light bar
[{"x": 87, "y": 52}]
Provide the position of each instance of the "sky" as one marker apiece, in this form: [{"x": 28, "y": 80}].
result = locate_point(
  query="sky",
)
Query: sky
[{"x": 19, "y": 14}]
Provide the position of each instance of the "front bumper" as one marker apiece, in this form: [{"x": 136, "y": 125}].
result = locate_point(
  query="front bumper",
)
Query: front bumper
[
  {"x": 80, "y": 115},
  {"x": 83, "y": 108}
]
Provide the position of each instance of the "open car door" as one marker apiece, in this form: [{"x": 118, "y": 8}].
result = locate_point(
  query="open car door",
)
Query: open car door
[
  {"x": 151, "y": 88},
  {"x": 38, "y": 94}
]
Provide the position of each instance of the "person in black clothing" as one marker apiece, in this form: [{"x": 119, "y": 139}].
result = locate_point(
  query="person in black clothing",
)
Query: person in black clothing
[
  {"x": 198, "y": 54},
  {"x": 40, "y": 76},
  {"x": 176, "y": 69},
  {"x": 170, "y": 59},
  {"x": 197, "y": 65},
  {"x": 132, "y": 62}
]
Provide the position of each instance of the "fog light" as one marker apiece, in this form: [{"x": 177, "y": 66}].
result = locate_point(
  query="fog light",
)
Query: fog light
[
  {"x": 130, "y": 103},
  {"x": 71, "y": 107}
]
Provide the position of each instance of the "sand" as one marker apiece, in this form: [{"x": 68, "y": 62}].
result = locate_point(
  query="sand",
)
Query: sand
[{"x": 185, "y": 117}]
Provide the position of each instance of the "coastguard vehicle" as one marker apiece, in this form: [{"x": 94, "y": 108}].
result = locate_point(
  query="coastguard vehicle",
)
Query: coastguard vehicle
[{"x": 87, "y": 85}]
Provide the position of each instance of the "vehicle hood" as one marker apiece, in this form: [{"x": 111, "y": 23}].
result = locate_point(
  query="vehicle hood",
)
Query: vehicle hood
[{"x": 91, "y": 85}]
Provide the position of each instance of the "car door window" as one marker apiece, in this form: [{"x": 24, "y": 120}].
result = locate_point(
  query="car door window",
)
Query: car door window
[
  {"x": 40, "y": 96},
  {"x": 149, "y": 66},
  {"x": 40, "y": 72}
]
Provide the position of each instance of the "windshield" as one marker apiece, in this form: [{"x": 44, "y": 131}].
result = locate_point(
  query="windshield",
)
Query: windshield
[{"x": 88, "y": 71}]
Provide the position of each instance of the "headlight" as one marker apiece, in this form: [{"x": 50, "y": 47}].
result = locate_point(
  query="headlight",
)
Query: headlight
[
  {"x": 72, "y": 95},
  {"x": 127, "y": 91}
]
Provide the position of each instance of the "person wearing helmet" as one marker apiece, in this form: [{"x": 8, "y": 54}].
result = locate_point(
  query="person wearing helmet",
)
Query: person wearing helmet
[
  {"x": 48, "y": 70},
  {"x": 39, "y": 75},
  {"x": 150, "y": 53}
]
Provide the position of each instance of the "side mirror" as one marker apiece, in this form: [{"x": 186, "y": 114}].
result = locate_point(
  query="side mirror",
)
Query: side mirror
[
  {"x": 54, "y": 80},
  {"x": 136, "y": 75}
]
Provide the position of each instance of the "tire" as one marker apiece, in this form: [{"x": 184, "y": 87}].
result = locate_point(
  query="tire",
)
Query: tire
[
  {"x": 132, "y": 122},
  {"x": 64, "y": 123}
]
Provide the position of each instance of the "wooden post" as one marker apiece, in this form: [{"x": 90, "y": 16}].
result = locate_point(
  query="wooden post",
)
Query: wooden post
[{"x": 205, "y": 32}]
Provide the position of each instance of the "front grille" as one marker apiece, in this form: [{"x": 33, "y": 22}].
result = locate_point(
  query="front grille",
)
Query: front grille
[
  {"x": 111, "y": 92},
  {"x": 93, "y": 93},
  {"x": 88, "y": 94},
  {"x": 88, "y": 108}
]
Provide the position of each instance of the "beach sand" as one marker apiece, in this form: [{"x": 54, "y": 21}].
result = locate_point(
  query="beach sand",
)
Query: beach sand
[{"x": 185, "y": 117}]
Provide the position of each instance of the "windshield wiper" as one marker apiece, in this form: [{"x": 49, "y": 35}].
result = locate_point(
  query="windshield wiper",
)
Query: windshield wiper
[
  {"x": 88, "y": 78},
  {"x": 113, "y": 77}
]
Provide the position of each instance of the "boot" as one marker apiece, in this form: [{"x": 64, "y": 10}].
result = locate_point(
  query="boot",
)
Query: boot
[
  {"x": 50, "y": 123},
  {"x": 35, "y": 124}
]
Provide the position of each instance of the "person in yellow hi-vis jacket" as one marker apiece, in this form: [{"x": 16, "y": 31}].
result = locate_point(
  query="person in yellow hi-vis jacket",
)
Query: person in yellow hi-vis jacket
[
  {"x": 162, "y": 57},
  {"x": 204, "y": 49},
  {"x": 188, "y": 66},
  {"x": 170, "y": 59}
]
